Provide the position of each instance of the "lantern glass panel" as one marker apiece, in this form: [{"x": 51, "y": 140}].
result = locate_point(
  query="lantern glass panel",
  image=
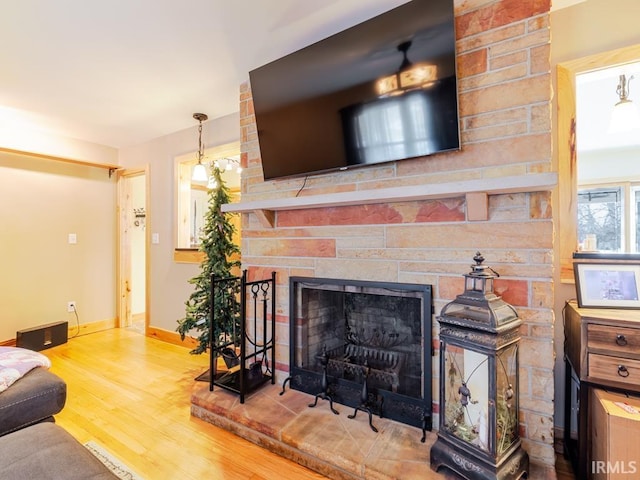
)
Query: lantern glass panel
[
  {"x": 466, "y": 395},
  {"x": 471, "y": 312},
  {"x": 469, "y": 283},
  {"x": 507, "y": 395},
  {"x": 488, "y": 288}
]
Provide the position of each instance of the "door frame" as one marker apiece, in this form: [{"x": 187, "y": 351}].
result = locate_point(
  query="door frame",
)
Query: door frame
[
  {"x": 567, "y": 149},
  {"x": 123, "y": 275}
]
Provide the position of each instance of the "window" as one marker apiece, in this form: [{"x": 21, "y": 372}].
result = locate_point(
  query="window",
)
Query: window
[
  {"x": 635, "y": 231},
  {"x": 605, "y": 212},
  {"x": 393, "y": 128},
  {"x": 567, "y": 148},
  {"x": 600, "y": 214},
  {"x": 401, "y": 126},
  {"x": 191, "y": 198}
]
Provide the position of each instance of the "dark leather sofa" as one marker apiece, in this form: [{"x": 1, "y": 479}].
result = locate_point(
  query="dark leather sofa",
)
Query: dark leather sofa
[{"x": 32, "y": 446}]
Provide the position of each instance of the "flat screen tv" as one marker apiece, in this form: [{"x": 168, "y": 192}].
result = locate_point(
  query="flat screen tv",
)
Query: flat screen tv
[{"x": 333, "y": 105}]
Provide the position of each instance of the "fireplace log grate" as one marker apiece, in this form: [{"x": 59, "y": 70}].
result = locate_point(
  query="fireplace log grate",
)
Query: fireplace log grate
[{"x": 381, "y": 365}]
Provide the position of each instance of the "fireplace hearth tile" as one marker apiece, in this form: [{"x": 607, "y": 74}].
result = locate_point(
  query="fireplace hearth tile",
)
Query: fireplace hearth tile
[
  {"x": 269, "y": 419},
  {"x": 331, "y": 438},
  {"x": 400, "y": 450},
  {"x": 333, "y": 445},
  {"x": 402, "y": 444}
]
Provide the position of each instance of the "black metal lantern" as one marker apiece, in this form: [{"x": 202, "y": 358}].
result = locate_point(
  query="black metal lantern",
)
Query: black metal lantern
[{"x": 478, "y": 436}]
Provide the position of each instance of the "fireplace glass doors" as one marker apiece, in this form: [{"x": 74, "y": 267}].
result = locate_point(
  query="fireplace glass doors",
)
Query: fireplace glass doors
[{"x": 378, "y": 333}]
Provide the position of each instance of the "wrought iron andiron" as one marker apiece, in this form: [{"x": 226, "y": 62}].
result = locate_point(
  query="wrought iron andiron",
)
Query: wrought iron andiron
[
  {"x": 364, "y": 399},
  {"x": 324, "y": 361}
]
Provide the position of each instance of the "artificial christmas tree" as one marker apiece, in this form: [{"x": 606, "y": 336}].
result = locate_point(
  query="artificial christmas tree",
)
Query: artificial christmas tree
[{"x": 221, "y": 258}]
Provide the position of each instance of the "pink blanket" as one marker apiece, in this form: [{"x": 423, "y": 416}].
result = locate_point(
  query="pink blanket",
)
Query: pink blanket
[{"x": 15, "y": 362}]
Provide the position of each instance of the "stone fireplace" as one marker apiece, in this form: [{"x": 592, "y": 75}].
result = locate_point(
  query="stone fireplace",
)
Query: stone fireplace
[
  {"x": 378, "y": 332},
  {"x": 363, "y": 225}
]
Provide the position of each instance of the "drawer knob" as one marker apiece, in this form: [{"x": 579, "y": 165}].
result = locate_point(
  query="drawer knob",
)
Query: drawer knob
[
  {"x": 622, "y": 371},
  {"x": 621, "y": 340}
]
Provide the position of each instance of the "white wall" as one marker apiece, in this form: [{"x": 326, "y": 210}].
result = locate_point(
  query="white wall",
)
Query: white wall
[
  {"x": 169, "y": 287},
  {"x": 610, "y": 165},
  {"x": 48, "y": 144},
  {"x": 591, "y": 27},
  {"x": 41, "y": 203}
]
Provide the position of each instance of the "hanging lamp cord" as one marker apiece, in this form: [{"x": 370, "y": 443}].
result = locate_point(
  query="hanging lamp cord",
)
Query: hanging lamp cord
[{"x": 200, "y": 152}]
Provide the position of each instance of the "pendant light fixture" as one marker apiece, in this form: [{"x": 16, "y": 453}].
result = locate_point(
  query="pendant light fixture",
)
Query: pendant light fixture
[
  {"x": 200, "y": 170},
  {"x": 625, "y": 116},
  {"x": 227, "y": 164},
  {"x": 408, "y": 77}
]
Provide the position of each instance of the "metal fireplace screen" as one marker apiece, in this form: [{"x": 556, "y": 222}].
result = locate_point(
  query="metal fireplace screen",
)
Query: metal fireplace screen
[{"x": 374, "y": 332}]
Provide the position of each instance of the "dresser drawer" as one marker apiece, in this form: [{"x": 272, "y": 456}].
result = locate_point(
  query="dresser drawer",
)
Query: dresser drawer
[
  {"x": 614, "y": 369},
  {"x": 614, "y": 339}
]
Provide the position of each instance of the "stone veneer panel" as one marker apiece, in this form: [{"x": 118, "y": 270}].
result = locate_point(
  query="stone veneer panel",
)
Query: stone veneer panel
[{"x": 504, "y": 95}]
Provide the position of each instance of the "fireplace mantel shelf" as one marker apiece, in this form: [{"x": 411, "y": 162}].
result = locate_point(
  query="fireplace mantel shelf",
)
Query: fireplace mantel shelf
[{"x": 475, "y": 190}]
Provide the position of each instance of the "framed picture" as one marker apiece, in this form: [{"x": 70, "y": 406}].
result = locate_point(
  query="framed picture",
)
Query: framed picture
[{"x": 607, "y": 285}]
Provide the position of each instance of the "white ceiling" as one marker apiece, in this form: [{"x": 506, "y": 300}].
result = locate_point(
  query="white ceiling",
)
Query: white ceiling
[{"x": 122, "y": 72}]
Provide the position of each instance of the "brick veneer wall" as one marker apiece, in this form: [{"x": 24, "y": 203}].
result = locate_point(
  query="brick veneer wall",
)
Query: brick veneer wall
[{"x": 504, "y": 101}]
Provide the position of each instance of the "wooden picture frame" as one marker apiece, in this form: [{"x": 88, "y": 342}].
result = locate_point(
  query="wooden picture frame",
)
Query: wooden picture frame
[{"x": 607, "y": 285}]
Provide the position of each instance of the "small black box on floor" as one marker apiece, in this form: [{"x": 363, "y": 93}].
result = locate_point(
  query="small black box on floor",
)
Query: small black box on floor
[{"x": 43, "y": 336}]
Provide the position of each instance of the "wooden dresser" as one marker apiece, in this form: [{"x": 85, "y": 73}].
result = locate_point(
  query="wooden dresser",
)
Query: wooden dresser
[{"x": 602, "y": 349}]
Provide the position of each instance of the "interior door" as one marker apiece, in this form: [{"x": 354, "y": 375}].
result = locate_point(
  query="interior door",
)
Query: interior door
[{"x": 132, "y": 249}]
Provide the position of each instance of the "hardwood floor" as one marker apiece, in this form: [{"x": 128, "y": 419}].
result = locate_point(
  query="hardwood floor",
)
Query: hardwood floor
[
  {"x": 563, "y": 468},
  {"x": 131, "y": 395}
]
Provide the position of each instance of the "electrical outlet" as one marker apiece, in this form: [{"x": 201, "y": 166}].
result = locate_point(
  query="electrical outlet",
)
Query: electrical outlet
[{"x": 71, "y": 306}]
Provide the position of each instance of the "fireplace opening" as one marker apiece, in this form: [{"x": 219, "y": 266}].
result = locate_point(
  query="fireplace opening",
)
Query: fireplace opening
[{"x": 378, "y": 333}]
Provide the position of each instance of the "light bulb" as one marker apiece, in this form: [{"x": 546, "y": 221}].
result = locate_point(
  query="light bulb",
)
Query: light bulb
[
  {"x": 625, "y": 117},
  {"x": 199, "y": 173}
]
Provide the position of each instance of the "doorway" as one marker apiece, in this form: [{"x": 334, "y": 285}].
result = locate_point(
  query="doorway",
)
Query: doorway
[
  {"x": 567, "y": 141},
  {"x": 608, "y": 149},
  {"x": 133, "y": 235}
]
